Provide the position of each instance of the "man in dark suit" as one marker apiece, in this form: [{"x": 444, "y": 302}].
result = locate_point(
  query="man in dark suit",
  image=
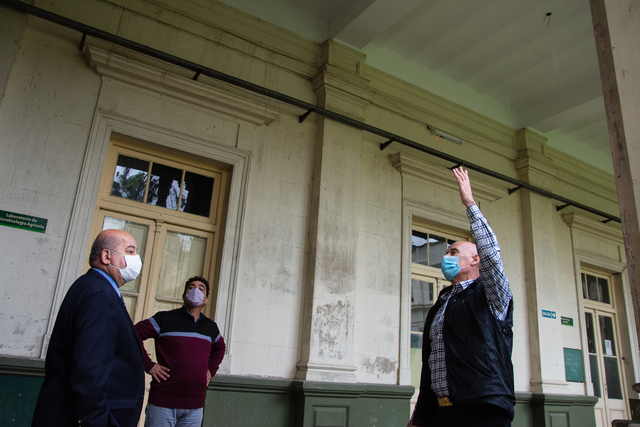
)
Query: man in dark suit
[{"x": 94, "y": 374}]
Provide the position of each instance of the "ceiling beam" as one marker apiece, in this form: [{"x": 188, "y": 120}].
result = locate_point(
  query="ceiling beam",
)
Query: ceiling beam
[{"x": 362, "y": 29}]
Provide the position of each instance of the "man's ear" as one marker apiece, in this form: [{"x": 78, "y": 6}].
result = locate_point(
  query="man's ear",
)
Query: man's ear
[
  {"x": 476, "y": 259},
  {"x": 105, "y": 255},
  {"x": 206, "y": 300}
]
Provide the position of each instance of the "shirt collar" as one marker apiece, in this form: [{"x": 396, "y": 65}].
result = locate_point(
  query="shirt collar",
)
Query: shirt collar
[
  {"x": 110, "y": 279},
  {"x": 460, "y": 286},
  {"x": 189, "y": 316},
  {"x": 465, "y": 284}
]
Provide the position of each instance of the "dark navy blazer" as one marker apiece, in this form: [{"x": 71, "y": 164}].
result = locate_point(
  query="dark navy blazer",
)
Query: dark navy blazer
[{"x": 94, "y": 374}]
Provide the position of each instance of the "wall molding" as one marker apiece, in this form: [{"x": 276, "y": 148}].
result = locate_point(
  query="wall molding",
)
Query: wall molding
[
  {"x": 442, "y": 177},
  {"x": 593, "y": 228},
  {"x": 148, "y": 77}
]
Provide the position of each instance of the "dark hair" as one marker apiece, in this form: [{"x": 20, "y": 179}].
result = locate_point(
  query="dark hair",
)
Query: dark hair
[
  {"x": 105, "y": 241},
  {"x": 197, "y": 279}
]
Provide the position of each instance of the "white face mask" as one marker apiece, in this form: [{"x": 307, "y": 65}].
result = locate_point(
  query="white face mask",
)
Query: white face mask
[
  {"x": 131, "y": 271},
  {"x": 194, "y": 297}
]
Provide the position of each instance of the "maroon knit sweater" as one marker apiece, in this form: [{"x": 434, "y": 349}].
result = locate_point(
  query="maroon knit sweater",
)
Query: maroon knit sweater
[{"x": 188, "y": 349}]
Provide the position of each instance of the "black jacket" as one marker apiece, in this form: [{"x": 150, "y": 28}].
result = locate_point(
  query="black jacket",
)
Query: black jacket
[
  {"x": 93, "y": 372},
  {"x": 478, "y": 354}
]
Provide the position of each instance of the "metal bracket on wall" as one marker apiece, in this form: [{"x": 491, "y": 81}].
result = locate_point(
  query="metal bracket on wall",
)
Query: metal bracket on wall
[
  {"x": 226, "y": 78},
  {"x": 304, "y": 116},
  {"x": 513, "y": 190},
  {"x": 385, "y": 144}
]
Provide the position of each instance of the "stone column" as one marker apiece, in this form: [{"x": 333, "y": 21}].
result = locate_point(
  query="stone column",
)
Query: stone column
[
  {"x": 534, "y": 168},
  {"x": 615, "y": 25},
  {"x": 329, "y": 313}
]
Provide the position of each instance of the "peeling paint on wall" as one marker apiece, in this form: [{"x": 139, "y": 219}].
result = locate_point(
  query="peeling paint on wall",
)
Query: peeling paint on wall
[
  {"x": 331, "y": 327},
  {"x": 381, "y": 365}
]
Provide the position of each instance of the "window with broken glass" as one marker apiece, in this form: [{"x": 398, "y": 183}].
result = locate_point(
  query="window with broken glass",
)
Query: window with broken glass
[{"x": 159, "y": 184}]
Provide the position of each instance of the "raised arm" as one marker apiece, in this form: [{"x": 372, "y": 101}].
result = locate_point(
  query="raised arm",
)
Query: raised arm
[{"x": 491, "y": 268}]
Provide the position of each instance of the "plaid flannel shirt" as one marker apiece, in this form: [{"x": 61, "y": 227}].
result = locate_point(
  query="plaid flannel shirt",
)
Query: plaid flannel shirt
[{"x": 496, "y": 288}]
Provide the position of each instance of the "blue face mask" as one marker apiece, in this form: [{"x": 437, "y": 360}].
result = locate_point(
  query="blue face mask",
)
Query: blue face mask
[{"x": 450, "y": 267}]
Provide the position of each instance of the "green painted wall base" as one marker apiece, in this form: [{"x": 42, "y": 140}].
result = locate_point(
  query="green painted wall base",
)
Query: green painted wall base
[
  {"x": 240, "y": 401},
  {"x": 20, "y": 382},
  {"x": 554, "y": 410}
]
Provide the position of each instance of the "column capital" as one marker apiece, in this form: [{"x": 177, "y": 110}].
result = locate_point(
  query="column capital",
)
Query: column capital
[
  {"x": 533, "y": 165},
  {"x": 342, "y": 58},
  {"x": 340, "y": 85}
]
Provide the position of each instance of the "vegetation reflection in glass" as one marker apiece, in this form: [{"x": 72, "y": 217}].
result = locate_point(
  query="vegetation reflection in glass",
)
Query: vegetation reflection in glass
[
  {"x": 169, "y": 187},
  {"x": 164, "y": 188},
  {"x": 130, "y": 178}
]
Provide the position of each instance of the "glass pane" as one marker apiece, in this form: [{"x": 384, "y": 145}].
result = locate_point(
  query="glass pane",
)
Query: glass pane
[
  {"x": 183, "y": 257},
  {"x": 603, "y": 290},
  {"x": 595, "y": 375},
  {"x": 416, "y": 340},
  {"x": 130, "y": 178},
  {"x": 166, "y": 306},
  {"x": 139, "y": 233},
  {"x": 608, "y": 336},
  {"x": 419, "y": 248},
  {"x": 592, "y": 288},
  {"x": 130, "y": 302},
  {"x": 614, "y": 388},
  {"x": 437, "y": 249},
  {"x": 197, "y": 191},
  {"x": 585, "y": 294},
  {"x": 416, "y": 365},
  {"x": 421, "y": 302},
  {"x": 591, "y": 336},
  {"x": 164, "y": 188},
  {"x": 422, "y": 295}
]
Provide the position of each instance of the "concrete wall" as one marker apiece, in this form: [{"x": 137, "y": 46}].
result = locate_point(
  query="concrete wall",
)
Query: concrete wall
[
  {"x": 378, "y": 289},
  {"x": 269, "y": 290},
  {"x": 51, "y": 113},
  {"x": 45, "y": 117}
]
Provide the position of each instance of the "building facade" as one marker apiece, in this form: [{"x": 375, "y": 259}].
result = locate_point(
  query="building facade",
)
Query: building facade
[{"x": 323, "y": 249}]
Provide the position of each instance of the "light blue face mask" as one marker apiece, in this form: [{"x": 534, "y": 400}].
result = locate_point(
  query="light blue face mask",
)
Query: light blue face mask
[{"x": 450, "y": 267}]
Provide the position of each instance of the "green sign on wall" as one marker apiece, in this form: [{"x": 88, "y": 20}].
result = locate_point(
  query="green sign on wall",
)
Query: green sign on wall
[
  {"x": 25, "y": 222},
  {"x": 573, "y": 365},
  {"x": 568, "y": 321}
]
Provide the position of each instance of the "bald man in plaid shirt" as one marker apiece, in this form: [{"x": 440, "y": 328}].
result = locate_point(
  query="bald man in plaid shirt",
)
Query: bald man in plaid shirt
[{"x": 467, "y": 374}]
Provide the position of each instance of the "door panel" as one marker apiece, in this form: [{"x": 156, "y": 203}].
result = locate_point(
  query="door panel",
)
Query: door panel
[
  {"x": 185, "y": 253},
  {"x": 600, "y": 417},
  {"x": 170, "y": 254},
  {"x": 142, "y": 231},
  {"x": 424, "y": 293},
  {"x": 605, "y": 365}
]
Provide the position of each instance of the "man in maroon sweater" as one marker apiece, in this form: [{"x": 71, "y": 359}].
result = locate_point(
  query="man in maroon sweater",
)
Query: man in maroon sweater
[{"x": 189, "y": 349}]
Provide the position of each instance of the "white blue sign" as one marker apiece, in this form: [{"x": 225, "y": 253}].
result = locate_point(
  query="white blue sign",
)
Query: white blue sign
[{"x": 549, "y": 314}]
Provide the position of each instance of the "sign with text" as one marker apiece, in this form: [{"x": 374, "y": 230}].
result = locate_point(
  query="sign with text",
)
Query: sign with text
[
  {"x": 568, "y": 321},
  {"x": 26, "y": 222},
  {"x": 549, "y": 314}
]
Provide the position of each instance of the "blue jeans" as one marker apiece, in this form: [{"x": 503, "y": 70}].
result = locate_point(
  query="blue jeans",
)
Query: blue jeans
[{"x": 166, "y": 417}]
